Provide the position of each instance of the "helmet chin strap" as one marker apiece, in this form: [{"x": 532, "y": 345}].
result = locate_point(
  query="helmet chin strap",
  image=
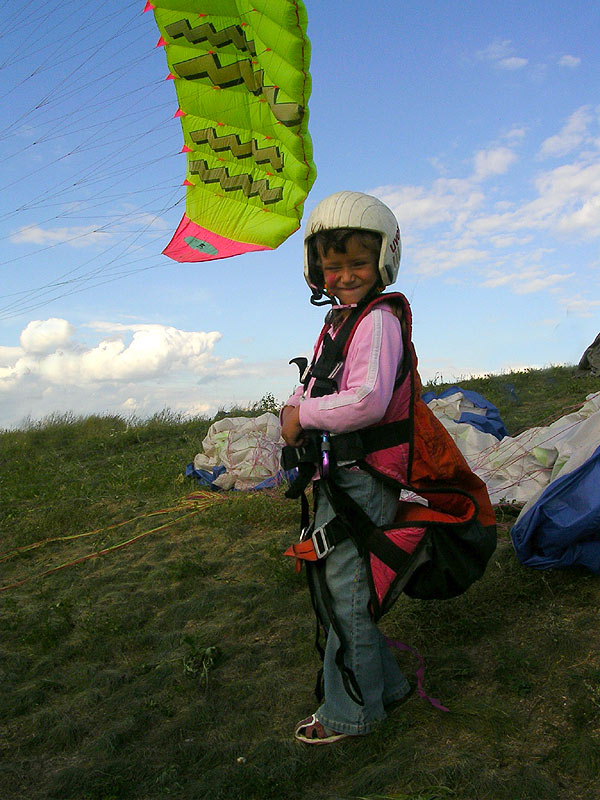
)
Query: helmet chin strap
[{"x": 316, "y": 296}]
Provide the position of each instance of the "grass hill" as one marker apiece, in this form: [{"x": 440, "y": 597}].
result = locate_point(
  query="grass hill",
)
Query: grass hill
[{"x": 154, "y": 649}]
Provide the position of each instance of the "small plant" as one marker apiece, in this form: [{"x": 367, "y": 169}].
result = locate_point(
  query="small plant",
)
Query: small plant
[
  {"x": 199, "y": 661},
  {"x": 267, "y": 403}
]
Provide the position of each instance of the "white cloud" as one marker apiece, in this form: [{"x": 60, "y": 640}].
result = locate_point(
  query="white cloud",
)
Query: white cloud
[
  {"x": 512, "y": 63},
  {"x": 493, "y": 162},
  {"x": 571, "y": 62},
  {"x": 526, "y": 281},
  {"x": 567, "y": 201},
  {"x": 574, "y": 132},
  {"x": 527, "y": 234},
  {"x": 125, "y": 219},
  {"x": 569, "y": 198},
  {"x": 496, "y": 50},
  {"x": 580, "y": 307},
  {"x": 77, "y": 236},
  {"x": 448, "y": 200},
  {"x": 418, "y": 207},
  {"x": 200, "y": 409},
  {"x": 516, "y": 134},
  {"x": 42, "y": 336},
  {"x": 130, "y": 216},
  {"x": 585, "y": 219},
  {"x": 501, "y": 54},
  {"x": 438, "y": 259},
  {"x": 510, "y": 240},
  {"x": 9, "y": 355},
  {"x": 50, "y": 352},
  {"x": 138, "y": 368}
]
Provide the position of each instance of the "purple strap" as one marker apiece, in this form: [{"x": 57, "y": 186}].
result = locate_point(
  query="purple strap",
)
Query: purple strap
[{"x": 420, "y": 673}]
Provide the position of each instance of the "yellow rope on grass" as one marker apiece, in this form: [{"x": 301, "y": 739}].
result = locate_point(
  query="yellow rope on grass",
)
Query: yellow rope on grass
[
  {"x": 198, "y": 501},
  {"x": 206, "y": 498}
]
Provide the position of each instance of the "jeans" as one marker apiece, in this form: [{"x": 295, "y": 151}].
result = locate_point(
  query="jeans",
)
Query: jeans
[{"x": 367, "y": 655}]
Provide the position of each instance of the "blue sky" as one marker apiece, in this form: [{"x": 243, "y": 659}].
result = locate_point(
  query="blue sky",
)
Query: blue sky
[{"x": 478, "y": 123}]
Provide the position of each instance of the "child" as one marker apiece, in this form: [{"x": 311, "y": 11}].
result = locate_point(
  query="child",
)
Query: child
[{"x": 352, "y": 251}]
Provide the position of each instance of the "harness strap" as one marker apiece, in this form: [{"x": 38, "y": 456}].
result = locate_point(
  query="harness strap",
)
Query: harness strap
[
  {"x": 316, "y": 574},
  {"x": 306, "y": 470},
  {"x": 324, "y": 368},
  {"x": 348, "y": 677},
  {"x": 368, "y": 537},
  {"x": 352, "y": 446},
  {"x": 420, "y": 672},
  {"x": 320, "y": 542},
  {"x": 328, "y": 366},
  {"x": 320, "y": 626}
]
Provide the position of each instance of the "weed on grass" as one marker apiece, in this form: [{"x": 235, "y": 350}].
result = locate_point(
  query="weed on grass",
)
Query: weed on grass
[{"x": 199, "y": 660}]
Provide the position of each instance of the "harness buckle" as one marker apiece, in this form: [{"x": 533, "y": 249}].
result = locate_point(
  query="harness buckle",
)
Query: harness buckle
[{"x": 321, "y": 542}]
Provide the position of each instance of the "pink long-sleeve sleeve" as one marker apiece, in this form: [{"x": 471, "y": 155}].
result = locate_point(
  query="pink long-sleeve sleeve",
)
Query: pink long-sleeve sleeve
[{"x": 367, "y": 381}]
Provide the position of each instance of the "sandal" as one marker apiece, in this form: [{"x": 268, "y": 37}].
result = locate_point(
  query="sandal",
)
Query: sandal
[{"x": 310, "y": 731}]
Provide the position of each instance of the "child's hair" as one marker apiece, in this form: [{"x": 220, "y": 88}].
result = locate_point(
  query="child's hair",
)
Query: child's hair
[{"x": 336, "y": 239}]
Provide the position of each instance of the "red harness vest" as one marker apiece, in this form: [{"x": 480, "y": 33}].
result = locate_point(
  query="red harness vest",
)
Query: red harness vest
[{"x": 415, "y": 452}]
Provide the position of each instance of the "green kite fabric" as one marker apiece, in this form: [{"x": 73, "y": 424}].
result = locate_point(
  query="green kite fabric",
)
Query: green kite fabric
[{"x": 240, "y": 69}]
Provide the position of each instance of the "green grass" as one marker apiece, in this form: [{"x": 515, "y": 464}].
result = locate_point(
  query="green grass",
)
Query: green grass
[{"x": 176, "y": 667}]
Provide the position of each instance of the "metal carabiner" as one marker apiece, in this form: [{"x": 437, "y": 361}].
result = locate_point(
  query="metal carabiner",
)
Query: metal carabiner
[{"x": 325, "y": 455}]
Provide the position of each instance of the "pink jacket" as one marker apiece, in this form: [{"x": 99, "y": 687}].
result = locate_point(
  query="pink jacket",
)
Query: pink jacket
[{"x": 367, "y": 379}]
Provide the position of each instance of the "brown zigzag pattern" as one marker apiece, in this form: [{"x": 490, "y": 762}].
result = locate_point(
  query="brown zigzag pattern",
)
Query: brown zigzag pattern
[
  {"x": 232, "y": 183},
  {"x": 209, "y": 66},
  {"x": 206, "y": 32},
  {"x": 261, "y": 155}
]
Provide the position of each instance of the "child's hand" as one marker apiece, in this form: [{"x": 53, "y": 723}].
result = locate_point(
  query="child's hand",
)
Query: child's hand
[{"x": 291, "y": 430}]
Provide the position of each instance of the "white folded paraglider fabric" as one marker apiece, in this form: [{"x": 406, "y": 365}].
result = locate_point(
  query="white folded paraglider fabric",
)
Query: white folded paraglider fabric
[
  {"x": 248, "y": 447},
  {"x": 515, "y": 469},
  {"x": 554, "y": 471},
  {"x": 518, "y": 469}
]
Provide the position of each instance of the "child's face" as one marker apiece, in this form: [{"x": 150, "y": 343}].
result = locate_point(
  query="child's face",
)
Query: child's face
[{"x": 350, "y": 276}]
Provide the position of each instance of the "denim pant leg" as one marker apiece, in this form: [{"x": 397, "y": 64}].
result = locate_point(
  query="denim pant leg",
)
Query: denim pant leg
[{"x": 367, "y": 655}]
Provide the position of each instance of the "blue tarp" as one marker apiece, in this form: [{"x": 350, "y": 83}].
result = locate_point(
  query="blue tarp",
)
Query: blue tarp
[
  {"x": 207, "y": 478},
  {"x": 563, "y": 528},
  {"x": 280, "y": 476},
  {"x": 490, "y": 423},
  {"x": 203, "y": 476}
]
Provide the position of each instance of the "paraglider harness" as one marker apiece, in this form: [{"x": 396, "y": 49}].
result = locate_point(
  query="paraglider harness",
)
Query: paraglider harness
[{"x": 452, "y": 521}]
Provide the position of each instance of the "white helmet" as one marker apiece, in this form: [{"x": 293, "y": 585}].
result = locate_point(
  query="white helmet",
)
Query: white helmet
[{"x": 361, "y": 211}]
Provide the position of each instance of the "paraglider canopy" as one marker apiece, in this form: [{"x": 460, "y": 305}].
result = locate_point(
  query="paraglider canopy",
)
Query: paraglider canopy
[{"x": 240, "y": 70}]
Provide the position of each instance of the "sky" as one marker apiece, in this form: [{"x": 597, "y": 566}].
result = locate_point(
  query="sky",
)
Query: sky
[{"x": 477, "y": 122}]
